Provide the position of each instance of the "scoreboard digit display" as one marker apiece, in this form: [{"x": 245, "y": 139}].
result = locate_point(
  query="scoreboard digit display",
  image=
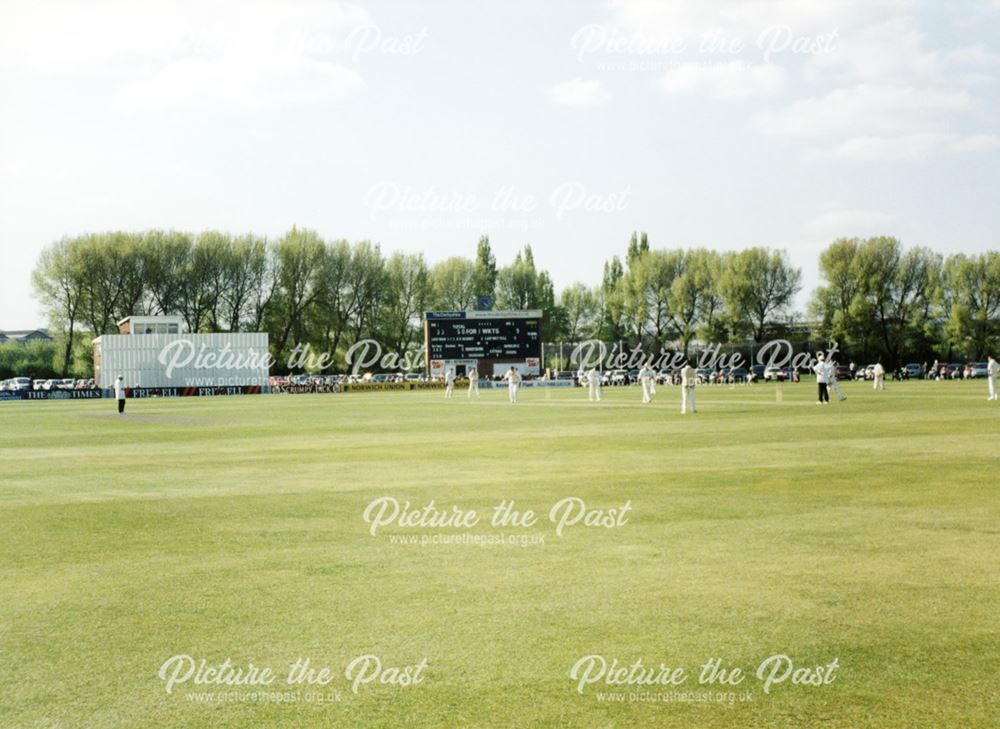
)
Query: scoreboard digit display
[{"x": 483, "y": 335}]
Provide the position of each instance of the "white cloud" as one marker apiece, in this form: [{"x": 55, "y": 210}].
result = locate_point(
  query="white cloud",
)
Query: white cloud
[
  {"x": 580, "y": 92},
  {"x": 976, "y": 143},
  {"x": 724, "y": 80},
  {"x": 902, "y": 148},
  {"x": 889, "y": 52},
  {"x": 747, "y": 19},
  {"x": 905, "y": 147},
  {"x": 234, "y": 84},
  {"x": 977, "y": 55},
  {"x": 848, "y": 222},
  {"x": 189, "y": 54},
  {"x": 866, "y": 110}
]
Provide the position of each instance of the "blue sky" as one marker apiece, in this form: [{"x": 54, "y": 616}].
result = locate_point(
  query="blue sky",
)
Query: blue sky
[{"x": 566, "y": 125}]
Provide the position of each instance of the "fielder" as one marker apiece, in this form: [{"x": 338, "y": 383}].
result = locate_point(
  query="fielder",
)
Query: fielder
[
  {"x": 834, "y": 385},
  {"x": 688, "y": 377},
  {"x": 594, "y": 383},
  {"x": 648, "y": 380},
  {"x": 991, "y": 377},
  {"x": 473, "y": 383},
  {"x": 449, "y": 384},
  {"x": 513, "y": 378},
  {"x": 879, "y": 382}
]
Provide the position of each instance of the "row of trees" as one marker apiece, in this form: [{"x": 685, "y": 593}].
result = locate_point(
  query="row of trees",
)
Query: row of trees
[
  {"x": 660, "y": 298},
  {"x": 877, "y": 299},
  {"x": 300, "y": 289}
]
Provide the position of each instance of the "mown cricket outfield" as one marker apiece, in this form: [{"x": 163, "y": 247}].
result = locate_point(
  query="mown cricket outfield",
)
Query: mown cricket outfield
[{"x": 846, "y": 558}]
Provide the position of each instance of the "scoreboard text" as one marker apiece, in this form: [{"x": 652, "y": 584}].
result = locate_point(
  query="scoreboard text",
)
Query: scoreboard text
[{"x": 484, "y": 338}]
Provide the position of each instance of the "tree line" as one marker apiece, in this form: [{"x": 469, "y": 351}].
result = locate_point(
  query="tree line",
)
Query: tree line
[{"x": 877, "y": 300}]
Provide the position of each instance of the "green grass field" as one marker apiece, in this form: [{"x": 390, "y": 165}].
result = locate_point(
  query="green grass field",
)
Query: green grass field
[{"x": 864, "y": 531}]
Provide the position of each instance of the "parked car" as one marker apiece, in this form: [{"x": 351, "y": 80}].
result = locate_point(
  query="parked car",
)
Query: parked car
[
  {"x": 914, "y": 371},
  {"x": 843, "y": 372},
  {"x": 978, "y": 370},
  {"x": 758, "y": 371},
  {"x": 737, "y": 374},
  {"x": 704, "y": 375},
  {"x": 619, "y": 377},
  {"x": 775, "y": 374},
  {"x": 668, "y": 377},
  {"x": 19, "y": 384}
]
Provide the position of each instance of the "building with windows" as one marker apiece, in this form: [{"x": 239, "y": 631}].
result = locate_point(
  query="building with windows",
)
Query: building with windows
[{"x": 155, "y": 352}]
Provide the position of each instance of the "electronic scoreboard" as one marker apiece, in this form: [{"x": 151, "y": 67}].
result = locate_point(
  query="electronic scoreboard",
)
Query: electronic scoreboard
[{"x": 483, "y": 335}]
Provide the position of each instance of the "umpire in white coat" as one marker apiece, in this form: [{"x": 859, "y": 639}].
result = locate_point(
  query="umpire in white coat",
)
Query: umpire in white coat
[
  {"x": 120, "y": 394},
  {"x": 822, "y": 370}
]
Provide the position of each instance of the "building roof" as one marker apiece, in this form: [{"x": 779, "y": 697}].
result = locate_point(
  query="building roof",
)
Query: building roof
[{"x": 24, "y": 334}]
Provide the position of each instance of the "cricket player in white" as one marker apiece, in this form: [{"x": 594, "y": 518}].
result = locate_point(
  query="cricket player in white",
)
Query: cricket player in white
[
  {"x": 834, "y": 385},
  {"x": 594, "y": 383},
  {"x": 991, "y": 377},
  {"x": 473, "y": 382},
  {"x": 879, "y": 382},
  {"x": 449, "y": 383},
  {"x": 513, "y": 378},
  {"x": 688, "y": 377},
  {"x": 648, "y": 380}
]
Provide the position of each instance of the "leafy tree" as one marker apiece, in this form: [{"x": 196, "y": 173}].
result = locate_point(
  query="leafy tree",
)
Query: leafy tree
[
  {"x": 409, "y": 294},
  {"x": 301, "y": 257},
  {"x": 645, "y": 293},
  {"x": 581, "y": 311},
  {"x": 612, "y": 326},
  {"x": 367, "y": 289},
  {"x": 167, "y": 255},
  {"x": 485, "y": 277},
  {"x": 637, "y": 246},
  {"x": 973, "y": 324},
  {"x": 57, "y": 279},
  {"x": 517, "y": 284},
  {"x": 690, "y": 294},
  {"x": 756, "y": 285},
  {"x": 453, "y": 284}
]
